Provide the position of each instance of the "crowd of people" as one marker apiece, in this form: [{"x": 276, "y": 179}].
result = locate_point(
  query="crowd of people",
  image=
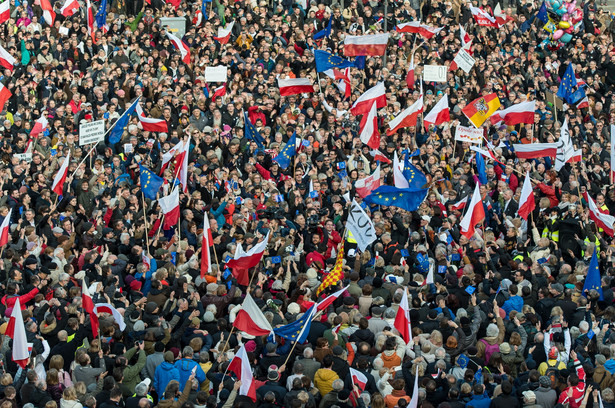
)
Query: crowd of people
[{"x": 506, "y": 321}]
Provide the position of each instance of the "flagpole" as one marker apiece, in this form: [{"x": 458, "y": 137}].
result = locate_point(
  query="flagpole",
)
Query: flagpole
[
  {"x": 145, "y": 220},
  {"x": 227, "y": 340},
  {"x": 554, "y": 107}
]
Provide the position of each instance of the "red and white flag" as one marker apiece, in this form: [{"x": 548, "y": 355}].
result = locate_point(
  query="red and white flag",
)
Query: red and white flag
[
  {"x": 182, "y": 161},
  {"x": 183, "y": 48},
  {"x": 69, "y": 8},
  {"x": 295, "y": 86},
  {"x": 612, "y": 150},
  {"x": 566, "y": 152},
  {"x": 16, "y": 330},
  {"x": 370, "y": 45},
  {"x": 170, "y": 208},
  {"x": 5, "y": 229},
  {"x": 5, "y": 11},
  {"x": 465, "y": 37},
  {"x": 6, "y": 59},
  {"x": 58, "y": 181},
  {"x": 365, "y": 186},
  {"x": 519, "y": 113},
  {"x": 370, "y": 135},
  {"x": 207, "y": 242},
  {"x": 583, "y": 103},
  {"x": 429, "y": 279},
  {"x": 170, "y": 155},
  {"x": 198, "y": 19},
  {"x": 39, "y": 126},
  {"x": 151, "y": 124},
  {"x": 414, "y": 401},
  {"x": 364, "y": 103},
  {"x": 88, "y": 306},
  {"x": 224, "y": 34},
  {"x": 418, "y": 28},
  {"x": 326, "y": 302},
  {"x": 467, "y": 48},
  {"x": 500, "y": 17},
  {"x": 48, "y": 14},
  {"x": 109, "y": 309},
  {"x": 402, "y": 319},
  {"x": 146, "y": 260},
  {"x": 535, "y": 150},
  {"x": 460, "y": 205},
  {"x": 602, "y": 220},
  {"x": 526, "y": 202},
  {"x": 247, "y": 260},
  {"x": 474, "y": 215},
  {"x": 406, "y": 118},
  {"x": 379, "y": 156},
  {"x": 219, "y": 91},
  {"x": 5, "y": 95},
  {"x": 241, "y": 366},
  {"x": 343, "y": 79},
  {"x": 251, "y": 320},
  {"x": 483, "y": 18},
  {"x": 358, "y": 378},
  {"x": 410, "y": 75},
  {"x": 439, "y": 113},
  {"x": 89, "y": 14},
  {"x": 399, "y": 179}
]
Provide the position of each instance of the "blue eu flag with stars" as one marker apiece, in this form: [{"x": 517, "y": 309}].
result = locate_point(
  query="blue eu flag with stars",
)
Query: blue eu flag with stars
[
  {"x": 326, "y": 32},
  {"x": 415, "y": 177},
  {"x": 120, "y": 125},
  {"x": 542, "y": 13},
  {"x": 325, "y": 61},
  {"x": 299, "y": 329},
  {"x": 101, "y": 14},
  {"x": 592, "y": 280},
  {"x": 482, "y": 170},
  {"x": 252, "y": 133},
  {"x": 408, "y": 199},
  {"x": 569, "y": 81},
  {"x": 283, "y": 159},
  {"x": 150, "y": 182}
]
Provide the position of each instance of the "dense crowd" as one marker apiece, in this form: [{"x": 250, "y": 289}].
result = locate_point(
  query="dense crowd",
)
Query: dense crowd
[{"x": 505, "y": 323}]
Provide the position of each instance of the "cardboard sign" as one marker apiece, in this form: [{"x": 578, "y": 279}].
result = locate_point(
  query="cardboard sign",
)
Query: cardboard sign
[
  {"x": 468, "y": 134},
  {"x": 434, "y": 73},
  {"x": 216, "y": 74},
  {"x": 24, "y": 156},
  {"x": 91, "y": 132},
  {"x": 464, "y": 60}
]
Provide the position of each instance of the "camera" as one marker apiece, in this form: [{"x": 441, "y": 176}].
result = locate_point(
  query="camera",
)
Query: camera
[{"x": 271, "y": 213}]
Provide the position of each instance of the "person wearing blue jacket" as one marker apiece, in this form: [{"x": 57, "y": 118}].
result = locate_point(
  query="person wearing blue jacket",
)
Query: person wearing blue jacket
[
  {"x": 185, "y": 367},
  {"x": 165, "y": 373},
  {"x": 480, "y": 398},
  {"x": 515, "y": 302}
]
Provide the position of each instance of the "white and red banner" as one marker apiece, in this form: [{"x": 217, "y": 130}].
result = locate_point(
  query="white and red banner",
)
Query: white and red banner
[
  {"x": 16, "y": 330},
  {"x": 406, "y": 118},
  {"x": 500, "y": 17},
  {"x": 5, "y": 95},
  {"x": 109, "y": 309},
  {"x": 5, "y": 11},
  {"x": 365, "y": 186},
  {"x": 207, "y": 242},
  {"x": 370, "y": 135},
  {"x": 151, "y": 124},
  {"x": 439, "y": 113},
  {"x": 58, "y": 181},
  {"x": 526, "y": 202},
  {"x": 358, "y": 378},
  {"x": 224, "y": 34},
  {"x": 370, "y": 45},
  {"x": 483, "y": 18},
  {"x": 519, "y": 113},
  {"x": 6, "y": 59},
  {"x": 295, "y": 86},
  {"x": 181, "y": 46},
  {"x": 474, "y": 215},
  {"x": 249, "y": 259},
  {"x": 402, "y": 319},
  {"x": 535, "y": 150},
  {"x": 241, "y": 366},
  {"x": 418, "y": 28},
  {"x": 602, "y": 219},
  {"x": 364, "y": 102},
  {"x": 5, "y": 229},
  {"x": 469, "y": 134},
  {"x": 170, "y": 208},
  {"x": 251, "y": 320}
]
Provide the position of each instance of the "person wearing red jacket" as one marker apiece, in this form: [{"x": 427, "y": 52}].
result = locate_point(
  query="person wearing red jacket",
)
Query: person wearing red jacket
[
  {"x": 573, "y": 394},
  {"x": 12, "y": 290}
]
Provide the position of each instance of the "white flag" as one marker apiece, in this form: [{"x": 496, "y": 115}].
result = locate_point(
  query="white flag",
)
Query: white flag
[
  {"x": 361, "y": 227},
  {"x": 565, "y": 149}
]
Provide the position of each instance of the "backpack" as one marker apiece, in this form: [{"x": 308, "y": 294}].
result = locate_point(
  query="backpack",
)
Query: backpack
[
  {"x": 489, "y": 349},
  {"x": 553, "y": 373}
]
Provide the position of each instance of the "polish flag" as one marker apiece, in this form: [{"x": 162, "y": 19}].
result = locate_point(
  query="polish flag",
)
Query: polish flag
[
  {"x": 414, "y": 402},
  {"x": 182, "y": 161},
  {"x": 364, "y": 103},
  {"x": 460, "y": 205},
  {"x": 402, "y": 319},
  {"x": 474, "y": 215},
  {"x": 418, "y": 28},
  {"x": 483, "y": 18},
  {"x": 241, "y": 367},
  {"x": 406, "y": 118},
  {"x": 602, "y": 220},
  {"x": 251, "y": 320},
  {"x": 500, "y": 17},
  {"x": 39, "y": 126},
  {"x": 109, "y": 309},
  {"x": 468, "y": 48},
  {"x": 295, "y": 86},
  {"x": 207, "y": 242},
  {"x": 535, "y": 150},
  {"x": 326, "y": 302},
  {"x": 48, "y": 14},
  {"x": 526, "y": 202},
  {"x": 247, "y": 260},
  {"x": 343, "y": 79},
  {"x": 358, "y": 378},
  {"x": 5, "y": 11},
  {"x": 399, "y": 179},
  {"x": 7, "y": 60},
  {"x": 4, "y": 229},
  {"x": 58, "y": 181},
  {"x": 369, "y": 45},
  {"x": 69, "y": 8},
  {"x": 146, "y": 260},
  {"x": 410, "y": 74},
  {"x": 224, "y": 34},
  {"x": 439, "y": 113},
  {"x": 183, "y": 48},
  {"x": 583, "y": 103},
  {"x": 16, "y": 330},
  {"x": 519, "y": 113},
  {"x": 170, "y": 208},
  {"x": 365, "y": 186},
  {"x": 89, "y": 14},
  {"x": 219, "y": 91},
  {"x": 151, "y": 124},
  {"x": 370, "y": 135},
  {"x": 88, "y": 306},
  {"x": 5, "y": 95},
  {"x": 429, "y": 278},
  {"x": 170, "y": 155},
  {"x": 379, "y": 156},
  {"x": 465, "y": 37}
]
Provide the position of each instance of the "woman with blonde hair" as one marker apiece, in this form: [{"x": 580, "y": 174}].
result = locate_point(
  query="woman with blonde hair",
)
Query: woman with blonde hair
[
  {"x": 54, "y": 387},
  {"x": 69, "y": 399}
]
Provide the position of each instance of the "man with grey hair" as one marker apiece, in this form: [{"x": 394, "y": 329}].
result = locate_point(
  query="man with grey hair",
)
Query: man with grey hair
[
  {"x": 309, "y": 363},
  {"x": 185, "y": 366},
  {"x": 332, "y": 397},
  {"x": 141, "y": 392}
]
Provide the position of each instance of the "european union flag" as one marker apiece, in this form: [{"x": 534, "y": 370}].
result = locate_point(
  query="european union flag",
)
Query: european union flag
[
  {"x": 463, "y": 360},
  {"x": 325, "y": 61},
  {"x": 252, "y": 133},
  {"x": 120, "y": 125},
  {"x": 359, "y": 62},
  {"x": 287, "y": 152},
  {"x": 326, "y": 32},
  {"x": 592, "y": 280},
  {"x": 299, "y": 329},
  {"x": 542, "y": 13},
  {"x": 578, "y": 95},
  {"x": 480, "y": 166},
  {"x": 569, "y": 81},
  {"x": 101, "y": 14},
  {"x": 408, "y": 199},
  {"x": 150, "y": 182},
  {"x": 415, "y": 177},
  {"x": 204, "y": 9}
]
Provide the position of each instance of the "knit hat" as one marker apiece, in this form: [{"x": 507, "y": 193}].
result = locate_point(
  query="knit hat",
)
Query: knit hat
[
  {"x": 505, "y": 348},
  {"x": 139, "y": 326},
  {"x": 529, "y": 396},
  {"x": 492, "y": 330},
  {"x": 293, "y": 308},
  {"x": 545, "y": 381},
  {"x": 212, "y": 288},
  {"x": 600, "y": 359},
  {"x": 553, "y": 352}
]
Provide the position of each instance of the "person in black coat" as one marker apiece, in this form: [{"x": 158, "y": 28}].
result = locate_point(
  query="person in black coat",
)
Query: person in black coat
[
  {"x": 66, "y": 348},
  {"x": 272, "y": 385},
  {"x": 32, "y": 393}
]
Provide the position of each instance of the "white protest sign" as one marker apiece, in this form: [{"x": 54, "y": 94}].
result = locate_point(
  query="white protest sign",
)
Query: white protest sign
[
  {"x": 24, "y": 156},
  {"x": 92, "y": 132},
  {"x": 128, "y": 148},
  {"x": 361, "y": 227},
  {"x": 216, "y": 74},
  {"x": 64, "y": 31},
  {"x": 434, "y": 73},
  {"x": 469, "y": 134},
  {"x": 464, "y": 60}
]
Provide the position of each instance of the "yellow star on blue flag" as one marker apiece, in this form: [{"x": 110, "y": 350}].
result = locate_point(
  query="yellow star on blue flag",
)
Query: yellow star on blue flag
[
  {"x": 415, "y": 177},
  {"x": 569, "y": 81},
  {"x": 325, "y": 61},
  {"x": 150, "y": 182},
  {"x": 283, "y": 158},
  {"x": 592, "y": 280},
  {"x": 299, "y": 329},
  {"x": 122, "y": 123},
  {"x": 408, "y": 199}
]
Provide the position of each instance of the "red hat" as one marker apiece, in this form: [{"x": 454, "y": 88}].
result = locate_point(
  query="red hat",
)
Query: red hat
[
  {"x": 553, "y": 352},
  {"x": 135, "y": 285}
]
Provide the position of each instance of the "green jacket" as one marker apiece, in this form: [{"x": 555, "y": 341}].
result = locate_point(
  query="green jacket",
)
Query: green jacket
[{"x": 131, "y": 373}]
